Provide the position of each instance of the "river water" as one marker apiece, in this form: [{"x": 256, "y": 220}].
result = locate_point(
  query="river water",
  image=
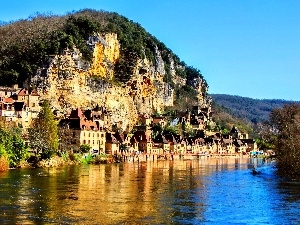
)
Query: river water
[{"x": 206, "y": 191}]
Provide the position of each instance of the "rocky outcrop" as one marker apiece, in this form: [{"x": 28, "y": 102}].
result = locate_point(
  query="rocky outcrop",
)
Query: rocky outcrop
[{"x": 70, "y": 82}]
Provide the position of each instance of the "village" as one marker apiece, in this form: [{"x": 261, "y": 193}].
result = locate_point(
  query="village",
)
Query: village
[{"x": 93, "y": 128}]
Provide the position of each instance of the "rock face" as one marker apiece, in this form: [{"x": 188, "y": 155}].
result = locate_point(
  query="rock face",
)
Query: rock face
[{"x": 70, "y": 82}]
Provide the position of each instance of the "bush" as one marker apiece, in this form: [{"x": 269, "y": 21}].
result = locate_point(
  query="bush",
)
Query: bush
[{"x": 88, "y": 159}]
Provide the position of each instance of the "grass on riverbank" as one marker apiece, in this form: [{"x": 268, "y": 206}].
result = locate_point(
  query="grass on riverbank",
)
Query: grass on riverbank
[{"x": 58, "y": 160}]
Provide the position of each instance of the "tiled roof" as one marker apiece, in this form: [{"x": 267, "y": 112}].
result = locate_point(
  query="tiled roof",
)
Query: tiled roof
[
  {"x": 76, "y": 114},
  {"x": 142, "y": 136},
  {"x": 8, "y": 100}
]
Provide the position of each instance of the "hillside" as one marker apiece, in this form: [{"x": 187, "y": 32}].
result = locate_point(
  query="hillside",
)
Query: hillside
[
  {"x": 94, "y": 58},
  {"x": 252, "y": 110}
]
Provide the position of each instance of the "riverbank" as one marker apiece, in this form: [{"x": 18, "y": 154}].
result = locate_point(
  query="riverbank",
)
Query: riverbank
[{"x": 76, "y": 159}]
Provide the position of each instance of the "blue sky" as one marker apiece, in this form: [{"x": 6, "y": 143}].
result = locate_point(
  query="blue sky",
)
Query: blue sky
[{"x": 249, "y": 48}]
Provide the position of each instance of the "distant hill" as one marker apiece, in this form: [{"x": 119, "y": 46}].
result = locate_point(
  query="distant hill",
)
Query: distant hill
[{"x": 253, "y": 110}]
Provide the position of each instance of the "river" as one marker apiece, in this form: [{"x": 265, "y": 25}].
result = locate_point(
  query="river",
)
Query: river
[{"x": 206, "y": 191}]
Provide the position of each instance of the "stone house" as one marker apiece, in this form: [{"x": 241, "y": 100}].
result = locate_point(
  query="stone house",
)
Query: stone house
[
  {"x": 251, "y": 145},
  {"x": 112, "y": 145},
  {"x": 144, "y": 141},
  {"x": 235, "y": 133},
  {"x": 240, "y": 146},
  {"x": 198, "y": 124},
  {"x": 159, "y": 120},
  {"x": 9, "y": 91},
  {"x": 228, "y": 146},
  {"x": 134, "y": 145},
  {"x": 31, "y": 99},
  {"x": 145, "y": 119},
  {"x": 160, "y": 142},
  {"x": 7, "y": 108},
  {"x": 181, "y": 144},
  {"x": 174, "y": 144},
  {"x": 77, "y": 130}
]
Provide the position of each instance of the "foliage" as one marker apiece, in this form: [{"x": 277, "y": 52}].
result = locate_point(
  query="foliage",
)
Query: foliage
[
  {"x": 12, "y": 146},
  {"x": 253, "y": 110},
  {"x": 174, "y": 130},
  {"x": 187, "y": 130},
  {"x": 26, "y": 45},
  {"x": 225, "y": 120},
  {"x": 43, "y": 133},
  {"x": 123, "y": 147},
  {"x": 87, "y": 159},
  {"x": 156, "y": 129},
  {"x": 285, "y": 122},
  {"x": 264, "y": 145},
  {"x": 192, "y": 73},
  {"x": 185, "y": 98},
  {"x": 85, "y": 148}
]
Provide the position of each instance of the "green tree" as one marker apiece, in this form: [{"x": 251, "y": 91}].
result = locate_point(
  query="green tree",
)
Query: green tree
[
  {"x": 156, "y": 129},
  {"x": 12, "y": 147},
  {"x": 85, "y": 148},
  {"x": 44, "y": 132},
  {"x": 285, "y": 123},
  {"x": 174, "y": 130}
]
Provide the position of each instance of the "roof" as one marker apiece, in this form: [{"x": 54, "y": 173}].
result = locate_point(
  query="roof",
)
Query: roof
[
  {"x": 249, "y": 141},
  {"x": 79, "y": 124},
  {"x": 110, "y": 138},
  {"x": 171, "y": 139},
  {"x": 76, "y": 114},
  {"x": 160, "y": 139},
  {"x": 227, "y": 141},
  {"x": 24, "y": 92},
  {"x": 234, "y": 130},
  {"x": 141, "y": 136},
  {"x": 238, "y": 143},
  {"x": 8, "y": 100}
]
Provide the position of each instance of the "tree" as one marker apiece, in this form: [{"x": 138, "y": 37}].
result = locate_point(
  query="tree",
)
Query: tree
[
  {"x": 43, "y": 134},
  {"x": 12, "y": 146},
  {"x": 85, "y": 148},
  {"x": 286, "y": 126},
  {"x": 174, "y": 130}
]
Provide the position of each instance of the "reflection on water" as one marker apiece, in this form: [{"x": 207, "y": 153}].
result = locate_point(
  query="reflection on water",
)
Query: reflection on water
[{"x": 208, "y": 191}]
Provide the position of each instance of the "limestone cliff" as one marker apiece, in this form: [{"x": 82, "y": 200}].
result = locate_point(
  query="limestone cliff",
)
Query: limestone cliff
[{"x": 70, "y": 82}]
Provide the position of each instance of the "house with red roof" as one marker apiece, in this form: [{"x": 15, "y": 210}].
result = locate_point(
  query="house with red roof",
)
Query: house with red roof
[{"x": 78, "y": 130}]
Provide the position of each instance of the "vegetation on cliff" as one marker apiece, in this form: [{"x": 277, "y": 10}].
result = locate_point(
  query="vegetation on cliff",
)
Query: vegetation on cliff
[{"x": 26, "y": 45}]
